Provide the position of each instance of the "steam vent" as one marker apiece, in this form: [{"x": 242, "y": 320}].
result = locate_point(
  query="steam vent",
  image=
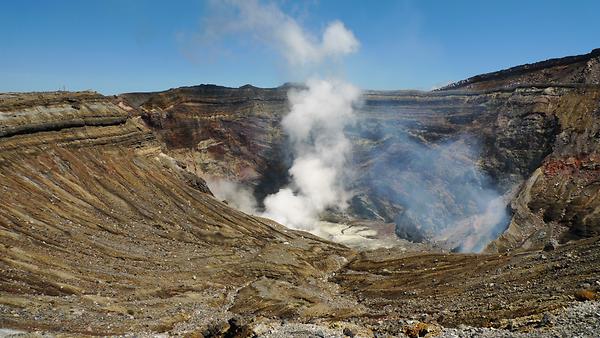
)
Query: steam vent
[{"x": 312, "y": 209}]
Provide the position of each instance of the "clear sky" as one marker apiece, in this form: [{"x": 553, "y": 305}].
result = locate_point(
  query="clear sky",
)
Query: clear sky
[{"x": 115, "y": 46}]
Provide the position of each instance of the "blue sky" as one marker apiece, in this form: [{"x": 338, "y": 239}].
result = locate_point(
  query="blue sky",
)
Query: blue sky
[{"x": 115, "y": 46}]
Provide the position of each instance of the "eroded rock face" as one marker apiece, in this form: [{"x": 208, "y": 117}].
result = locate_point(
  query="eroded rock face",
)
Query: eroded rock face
[
  {"x": 559, "y": 200},
  {"x": 221, "y": 132},
  {"x": 23, "y": 114}
]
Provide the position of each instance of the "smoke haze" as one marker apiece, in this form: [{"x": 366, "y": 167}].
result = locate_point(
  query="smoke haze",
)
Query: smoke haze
[{"x": 445, "y": 196}]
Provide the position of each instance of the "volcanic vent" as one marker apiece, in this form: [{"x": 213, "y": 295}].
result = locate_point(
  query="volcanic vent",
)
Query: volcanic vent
[{"x": 434, "y": 164}]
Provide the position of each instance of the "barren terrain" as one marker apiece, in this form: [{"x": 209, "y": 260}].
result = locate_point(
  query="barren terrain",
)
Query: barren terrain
[{"x": 107, "y": 227}]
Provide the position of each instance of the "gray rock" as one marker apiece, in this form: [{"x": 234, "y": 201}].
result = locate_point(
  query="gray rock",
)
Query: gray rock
[
  {"x": 551, "y": 245},
  {"x": 547, "y": 320}
]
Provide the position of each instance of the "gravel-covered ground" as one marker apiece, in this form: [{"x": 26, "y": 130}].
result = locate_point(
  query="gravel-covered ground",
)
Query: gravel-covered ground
[{"x": 579, "y": 319}]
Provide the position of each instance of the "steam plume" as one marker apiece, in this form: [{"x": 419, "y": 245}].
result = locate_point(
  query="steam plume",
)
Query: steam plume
[
  {"x": 315, "y": 125},
  {"x": 237, "y": 195},
  {"x": 318, "y": 113}
]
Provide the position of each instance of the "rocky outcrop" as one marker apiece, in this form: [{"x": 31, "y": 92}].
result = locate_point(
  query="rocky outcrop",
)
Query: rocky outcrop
[
  {"x": 220, "y": 132},
  {"x": 539, "y": 144},
  {"x": 560, "y": 199},
  {"x": 25, "y": 114}
]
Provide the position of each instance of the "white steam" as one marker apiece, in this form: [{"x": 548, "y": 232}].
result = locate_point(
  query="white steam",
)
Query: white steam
[
  {"x": 315, "y": 126},
  {"x": 235, "y": 194}
]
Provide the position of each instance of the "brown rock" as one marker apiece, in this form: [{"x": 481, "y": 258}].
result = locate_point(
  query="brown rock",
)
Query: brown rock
[{"x": 585, "y": 295}]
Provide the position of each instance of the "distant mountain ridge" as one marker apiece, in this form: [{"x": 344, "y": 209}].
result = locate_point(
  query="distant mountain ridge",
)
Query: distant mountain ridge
[{"x": 570, "y": 70}]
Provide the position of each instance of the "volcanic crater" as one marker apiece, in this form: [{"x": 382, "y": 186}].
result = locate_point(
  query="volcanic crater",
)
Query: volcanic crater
[{"x": 109, "y": 227}]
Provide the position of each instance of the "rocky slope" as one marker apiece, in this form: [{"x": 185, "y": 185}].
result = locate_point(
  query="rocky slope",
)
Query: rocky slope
[
  {"x": 532, "y": 130},
  {"x": 102, "y": 233}
]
